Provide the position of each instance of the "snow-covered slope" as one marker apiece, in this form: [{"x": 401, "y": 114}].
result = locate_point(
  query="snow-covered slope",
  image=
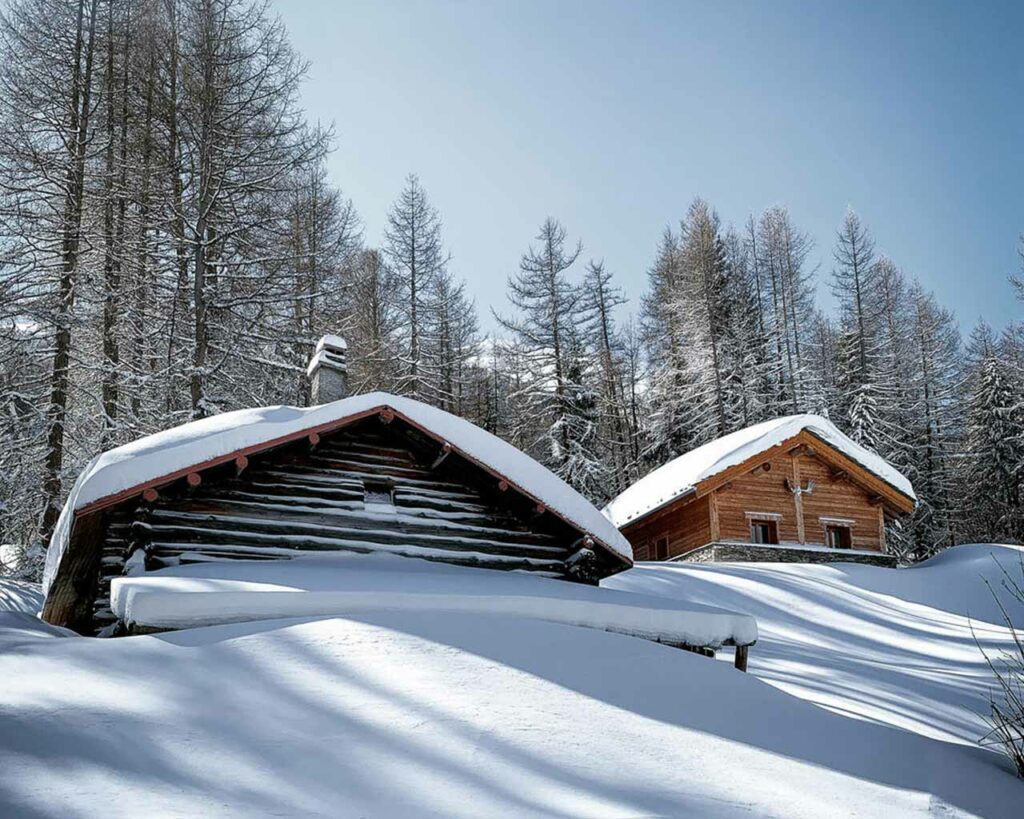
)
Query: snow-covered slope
[
  {"x": 155, "y": 456},
  {"x": 435, "y": 714},
  {"x": 681, "y": 475},
  {"x": 891, "y": 646},
  {"x": 242, "y": 590},
  {"x": 17, "y": 595}
]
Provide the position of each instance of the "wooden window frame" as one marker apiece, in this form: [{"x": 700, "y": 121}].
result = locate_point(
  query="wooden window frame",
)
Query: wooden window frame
[
  {"x": 661, "y": 548},
  {"x": 828, "y": 524},
  {"x": 845, "y": 532},
  {"x": 771, "y": 527}
]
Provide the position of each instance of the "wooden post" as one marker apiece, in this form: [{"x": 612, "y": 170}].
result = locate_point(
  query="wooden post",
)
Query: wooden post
[
  {"x": 798, "y": 501},
  {"x": 881, "y": 529},
  {"x": 716, "y": 531},
  {"x": 741, "y": 657}
]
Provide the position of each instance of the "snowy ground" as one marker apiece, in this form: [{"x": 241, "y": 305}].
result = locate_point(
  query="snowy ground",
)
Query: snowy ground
[
  {"x": 442, "y": 714},
  {"x": 899, "y": 647},
  {"x": 19, "y": 596}
]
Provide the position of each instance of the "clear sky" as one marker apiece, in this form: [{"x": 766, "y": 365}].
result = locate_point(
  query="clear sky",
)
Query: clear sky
[{"x": 612, "y": 116}]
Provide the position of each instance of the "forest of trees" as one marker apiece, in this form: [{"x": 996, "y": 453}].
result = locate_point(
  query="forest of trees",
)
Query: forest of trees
[{"x": 172, "y": 247}]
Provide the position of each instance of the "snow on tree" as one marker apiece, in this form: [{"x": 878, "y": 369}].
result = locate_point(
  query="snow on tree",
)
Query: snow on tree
[{"x": 416, "y": 256}]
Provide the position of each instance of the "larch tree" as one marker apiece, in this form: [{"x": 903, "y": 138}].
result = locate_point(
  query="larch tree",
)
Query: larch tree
[
  {"x": 46, "y": 88},
  {"x": 599, "y": 301},
  {"x": 415, "y": 253},
  {"x": 546, "y": 306}
]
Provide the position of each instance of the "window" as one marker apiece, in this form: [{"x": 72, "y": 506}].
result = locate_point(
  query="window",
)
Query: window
[
  {"x": 838, "y": 537},
  {"x": 377, "y": 493},
  {"x": 661, "y": 549},
  {"x": 764, "y": 531}
]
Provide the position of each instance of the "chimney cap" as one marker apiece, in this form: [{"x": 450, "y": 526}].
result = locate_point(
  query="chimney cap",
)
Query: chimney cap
[
  {"x": 329, "y": 353},
  {"x": 331, "y": 342}
]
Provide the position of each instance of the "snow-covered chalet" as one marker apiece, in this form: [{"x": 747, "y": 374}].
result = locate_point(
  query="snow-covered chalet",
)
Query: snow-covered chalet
[
  {"x": 368, "y": 473},
  {"x": 789, "y": 489}
]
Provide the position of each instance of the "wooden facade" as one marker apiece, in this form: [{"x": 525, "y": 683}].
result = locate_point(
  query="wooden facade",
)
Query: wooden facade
[
  {"x": 372, "y": 484},
  {"x": 802, "y": 492}
]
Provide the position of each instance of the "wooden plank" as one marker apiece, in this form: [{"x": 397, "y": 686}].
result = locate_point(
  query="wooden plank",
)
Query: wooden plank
[
  {"x": 716, "y": 529},
  {"x": 798, "y": 500}
]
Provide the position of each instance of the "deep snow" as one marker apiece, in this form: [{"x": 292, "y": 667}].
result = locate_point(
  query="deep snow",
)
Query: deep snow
[
  {"x": 154, "y": 456},
  {"x": 441, "y": 715},
  {"x": 17, "y": 595},
  {"x": 425, "y": 713},
  {"x": 895, "y": 646},
  {"x": 682, "y": 474}
]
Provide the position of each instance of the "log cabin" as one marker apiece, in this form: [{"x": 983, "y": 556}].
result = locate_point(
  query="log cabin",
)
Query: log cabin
[
  {"x": 791, "y": 489},
  {"x": 362, "y": 474}
]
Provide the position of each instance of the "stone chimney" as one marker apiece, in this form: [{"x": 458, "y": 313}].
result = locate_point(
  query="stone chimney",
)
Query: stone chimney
[{"x": 327, "y": 371}]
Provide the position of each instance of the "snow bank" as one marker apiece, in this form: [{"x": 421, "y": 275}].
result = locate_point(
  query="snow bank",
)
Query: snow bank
[
  {"x": 18, "y": 595},
  {"x": 903, "y": 648},
  {"x": 970, "y": 580},
  {"x": 440, "y": 715},
  {"x": 237, "y": 591},
  {"x": 681, "y": 475},
  {"x": 155, "y": 456}
]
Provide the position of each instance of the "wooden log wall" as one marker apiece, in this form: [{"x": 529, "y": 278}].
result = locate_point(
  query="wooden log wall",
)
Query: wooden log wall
[
  {"x": 765, "y": 486},
  {"x": 326, "y": 496}
]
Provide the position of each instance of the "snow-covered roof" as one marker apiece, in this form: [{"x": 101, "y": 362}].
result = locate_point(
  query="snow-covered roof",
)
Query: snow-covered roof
[
  {"x": 180, "y": 448},
  {"x": 680, "y": 476}
]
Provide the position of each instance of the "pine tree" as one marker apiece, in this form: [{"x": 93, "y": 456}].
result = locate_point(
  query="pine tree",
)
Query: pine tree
[
  {"x": 991, "y": 479},
  {"x": 936, "y": 397},
  {"x": 854, "y": 284}
]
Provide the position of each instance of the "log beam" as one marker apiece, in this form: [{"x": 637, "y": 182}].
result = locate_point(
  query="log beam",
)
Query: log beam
[
  {"x": 741, "y": 657},
  {"x": 445, "y": 452}
]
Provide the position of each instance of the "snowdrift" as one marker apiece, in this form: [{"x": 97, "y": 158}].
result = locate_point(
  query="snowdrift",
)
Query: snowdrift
[
  {"x": 17, "y": 595},
  {"x": 436, "y": 714},
  {"x": 238, "y": 591},
  {"x": 902, "y": 647}
]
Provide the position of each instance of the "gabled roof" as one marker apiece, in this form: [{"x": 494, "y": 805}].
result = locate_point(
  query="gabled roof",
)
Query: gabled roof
[
  {"x": 682, "y": 475},
  {"x": 157, "y": 459}
]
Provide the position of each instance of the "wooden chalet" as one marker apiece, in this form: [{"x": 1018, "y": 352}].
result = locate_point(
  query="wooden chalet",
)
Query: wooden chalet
[
  {"x": 369, "y": 473},
  {"x": 792, "y": 489}
]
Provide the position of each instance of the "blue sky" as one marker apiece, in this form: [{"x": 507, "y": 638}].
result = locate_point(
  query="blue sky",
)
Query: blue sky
[{"x": 612, "y": 116}]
